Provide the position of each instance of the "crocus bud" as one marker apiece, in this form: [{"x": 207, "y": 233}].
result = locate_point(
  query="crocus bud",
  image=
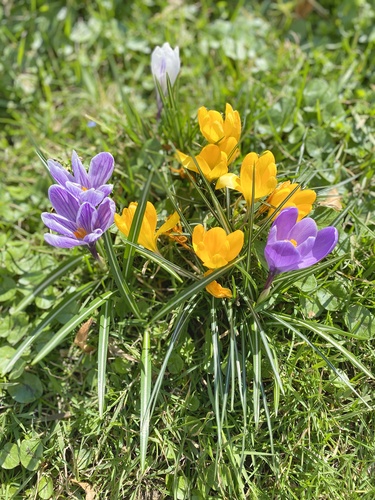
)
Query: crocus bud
[{"x": 164, "y": 61}]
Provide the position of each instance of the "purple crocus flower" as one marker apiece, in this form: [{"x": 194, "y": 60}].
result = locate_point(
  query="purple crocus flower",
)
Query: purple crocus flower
[
  {"x": 293, "y": 245},
  {"x": 76, "y": 223},
  {"x": 88, "y": 186}
]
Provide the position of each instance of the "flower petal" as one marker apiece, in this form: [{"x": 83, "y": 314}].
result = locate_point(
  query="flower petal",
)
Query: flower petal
[
  {"x": 235, "y": 240},
  {"x": 303, "y": 230},
  {"x": 79, "y": 171},
  {"x": 63, "y": 202},
  {"x": 59, "y": 173},
  {"x": 59, "y": 224},
  {"x": 282, "y": 256},
  {"x": 101, "y": 169},
  {"x": 284, "y": 222},
  {"x": 168, "y": 224},
  {"x": 230, "y": 181},
  {"x": 325, "y": 242},
  {"x": 62, "y": 241},
  {"x": 105, "y": 213},
  {"x": 87, "y": 217}
]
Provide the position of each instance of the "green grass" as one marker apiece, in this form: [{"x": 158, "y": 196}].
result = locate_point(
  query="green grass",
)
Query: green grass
[{"x": 242, "y": 403}]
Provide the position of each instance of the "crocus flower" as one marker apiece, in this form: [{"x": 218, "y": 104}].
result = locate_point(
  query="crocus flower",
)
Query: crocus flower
[
  {"x": 164, "y": 61},
  {"x": 211, "y": 160},
  {"x": 225, "y": 133},
  {"x": 293, "y": 245},
  {"x": 76, "y": 223},
  {"x": 147, "y": 235},
  {"x": 215, "y": 289},
  {"x": 88, "y": 186},
  {"x": 302, "y": 199},
  {"x": 215, "y": 247},
  {"x": 264, "y": 177}
]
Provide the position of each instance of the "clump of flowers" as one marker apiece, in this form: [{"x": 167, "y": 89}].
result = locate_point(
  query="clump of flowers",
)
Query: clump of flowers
[{"x": 83, "y": 210}]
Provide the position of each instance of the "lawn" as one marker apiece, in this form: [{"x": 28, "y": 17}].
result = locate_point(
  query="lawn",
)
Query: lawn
[{"x": 122, "y": 376}]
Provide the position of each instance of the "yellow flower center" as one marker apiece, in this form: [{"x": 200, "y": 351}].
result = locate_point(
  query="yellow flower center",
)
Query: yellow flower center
[
  {"x": 84, "y": 189},
  {"x": 80, "y": 233},
  {"x": 293, "y": 242}
]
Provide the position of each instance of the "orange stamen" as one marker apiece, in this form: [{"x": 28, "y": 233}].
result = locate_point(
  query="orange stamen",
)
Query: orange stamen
[
  {"x": 293, "y": 242},
  {"x": 80, "y": 233}
]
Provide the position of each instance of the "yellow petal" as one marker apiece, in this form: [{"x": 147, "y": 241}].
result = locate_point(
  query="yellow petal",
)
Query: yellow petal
[
  {"x": 231, "y": 181},
  {"x": 168, "y": 224},
  {"x": 235, "y": 240},
  {"x": 215, "y": 289}
]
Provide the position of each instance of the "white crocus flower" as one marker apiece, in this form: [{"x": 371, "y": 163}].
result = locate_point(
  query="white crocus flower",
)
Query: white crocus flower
[{"x": 164, "y": 61}]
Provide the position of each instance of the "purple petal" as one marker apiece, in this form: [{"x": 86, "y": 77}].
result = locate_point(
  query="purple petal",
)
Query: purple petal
[
  {"x": 74, "y": 189},
  {"x": 58, "y": 172},
  {"x": 305, "y": 247},
  {"x": 303, "y": 230},
  {"x": 87, "y": 217},
  {"x": 106, "y": 189},
  {"x": 79, "y": 171},
  {"x": 282, "y": 256},
  {"x": 92, "y": 196},
  {"x": 62, "y": 241},
  {"x": 325, "y": 242},
  {"x": 101, "y": 168},
  {"x": 59, "y": 224},
  {"x": 92, "y": 237},
  {"x": 285, "y": 221},
  {"x": 106, "y": 212},
  {"x": 63, "y": 202}
]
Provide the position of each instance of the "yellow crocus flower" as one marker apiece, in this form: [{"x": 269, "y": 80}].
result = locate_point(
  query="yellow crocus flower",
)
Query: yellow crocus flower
[
  {"x": 215, "y": 247},
  {"x": 211, "y": 160},
  {"x": 225, "y": 133},
  {"x": 302, "y": 199},
  {"x": 264, "y": 177},
  {"x": 148, "y": 234}
]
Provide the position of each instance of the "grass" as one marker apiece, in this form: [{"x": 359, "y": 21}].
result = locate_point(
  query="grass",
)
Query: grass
[{"x": 242, "y": 405}]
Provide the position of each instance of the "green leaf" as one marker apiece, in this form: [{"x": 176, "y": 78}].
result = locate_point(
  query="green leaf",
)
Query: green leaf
[
  {"x": 31, "y": 452},
  {"x": 6, "y": 353},
  {"x": 45, "y": 488},
  {"x": 26, "y": 389},
  {"x": 9, "y": 456},
  {"x": 360, "y": 321}
]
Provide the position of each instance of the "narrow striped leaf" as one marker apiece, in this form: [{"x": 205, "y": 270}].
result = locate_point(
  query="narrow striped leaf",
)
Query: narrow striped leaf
[
  {"x": 104, "y": 324},
  {"x": 136, "y": 227},
  {"x": 146, "y": 374},
  {"x": 122, "y": 285},
  {"x": 192, "y": 290},
  {"x": 70, "y": 326},
  {"x": 52, "y": 315}
]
